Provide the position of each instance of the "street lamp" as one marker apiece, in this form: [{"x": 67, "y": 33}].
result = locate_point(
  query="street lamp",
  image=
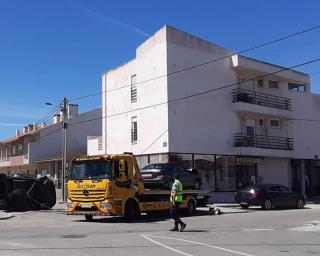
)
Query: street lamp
[{"x": 63, "y": 109}]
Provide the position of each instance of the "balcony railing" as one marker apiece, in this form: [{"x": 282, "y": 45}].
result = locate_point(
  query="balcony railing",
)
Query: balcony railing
[
  {"x": 260, "y": 141},
  {"x": 262, "y": 99}
]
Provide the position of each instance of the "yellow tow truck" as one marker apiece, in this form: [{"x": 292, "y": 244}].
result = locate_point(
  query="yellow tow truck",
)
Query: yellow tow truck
[{"x": 112, "y": 185}]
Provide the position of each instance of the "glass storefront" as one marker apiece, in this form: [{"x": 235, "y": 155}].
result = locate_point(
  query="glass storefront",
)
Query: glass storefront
[
  {"x": 217, "y": 172},
  {"x": 205, "y": 164},
  {"x": 226, "y": 175}
]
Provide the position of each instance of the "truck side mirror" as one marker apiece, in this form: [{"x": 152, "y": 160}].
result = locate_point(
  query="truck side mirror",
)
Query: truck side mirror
[{"x": 116, "y": 168}]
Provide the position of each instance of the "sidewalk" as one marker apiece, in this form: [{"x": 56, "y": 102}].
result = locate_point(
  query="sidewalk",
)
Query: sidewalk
[{"x": 5, "y": 215}]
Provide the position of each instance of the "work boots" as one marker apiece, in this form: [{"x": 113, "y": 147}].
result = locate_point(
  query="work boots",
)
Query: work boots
[
  {"x": 175, "y": 228},
  {"x": 183, "y": 226}
]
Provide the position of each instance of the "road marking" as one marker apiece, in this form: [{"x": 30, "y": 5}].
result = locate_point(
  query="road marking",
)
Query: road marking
[
  {"x": 258, "y": 229},
  {"x": 165, "y": 246},
  {"x": 203, "y": 244}
]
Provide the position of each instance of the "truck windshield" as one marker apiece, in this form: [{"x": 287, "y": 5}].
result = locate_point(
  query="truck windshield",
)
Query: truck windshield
[{"x": 97, "y": 169}]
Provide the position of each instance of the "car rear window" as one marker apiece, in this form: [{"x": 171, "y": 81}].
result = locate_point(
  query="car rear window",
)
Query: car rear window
[{"x": 154, "y": 166}]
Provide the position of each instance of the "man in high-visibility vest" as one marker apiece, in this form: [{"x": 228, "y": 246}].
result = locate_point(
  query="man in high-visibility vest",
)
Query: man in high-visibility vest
[{"x": 176, "y": 199}]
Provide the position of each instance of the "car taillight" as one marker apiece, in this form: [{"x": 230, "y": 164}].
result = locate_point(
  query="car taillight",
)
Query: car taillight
[
  {"x": 254, "y": 193},
  {"x": 159, "y": 174}
]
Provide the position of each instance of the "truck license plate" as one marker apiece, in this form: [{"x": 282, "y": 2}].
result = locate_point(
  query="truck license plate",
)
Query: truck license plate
[{"x": 86, "y": 206}]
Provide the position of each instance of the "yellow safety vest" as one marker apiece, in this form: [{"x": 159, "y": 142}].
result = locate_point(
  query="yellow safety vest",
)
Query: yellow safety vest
[{"x": 179, "y": 197}]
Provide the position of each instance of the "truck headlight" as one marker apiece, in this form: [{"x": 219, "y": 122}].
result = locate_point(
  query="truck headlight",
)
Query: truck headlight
[{"x": 106, "y": 206}]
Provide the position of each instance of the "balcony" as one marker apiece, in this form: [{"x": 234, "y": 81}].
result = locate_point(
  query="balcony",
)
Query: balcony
[
  {"x": 251, "y": 102},
  {"x": 261, "y": 99},
  {"x": 5, "y": 161},
  {"x": 260, "y": 141}
]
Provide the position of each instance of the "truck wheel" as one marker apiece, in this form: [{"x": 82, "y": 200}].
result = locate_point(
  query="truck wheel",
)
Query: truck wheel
[
  {"x": 191, "y": 207},
  {"x": 131, "y": 210},
  {"x": 89, "y": 217}
]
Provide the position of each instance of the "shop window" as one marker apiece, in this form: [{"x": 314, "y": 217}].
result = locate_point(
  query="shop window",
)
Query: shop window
[
  {"x": 225, "y": 173},
  {"x": 205, "y": 166},
  {"x": 184, "y": 159}
]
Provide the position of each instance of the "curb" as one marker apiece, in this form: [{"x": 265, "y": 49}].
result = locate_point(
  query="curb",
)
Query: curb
[{"x": 4, "y": 215}]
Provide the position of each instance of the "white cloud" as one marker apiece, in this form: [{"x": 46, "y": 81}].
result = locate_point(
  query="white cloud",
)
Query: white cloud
[
  {"x": 114, "y": 21},
  {"x": 11, "y": 124}
]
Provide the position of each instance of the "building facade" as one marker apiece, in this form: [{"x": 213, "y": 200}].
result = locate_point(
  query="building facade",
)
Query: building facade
[
  {"x": 228, "y": 118},
  {"x": 37, "y": 150}
]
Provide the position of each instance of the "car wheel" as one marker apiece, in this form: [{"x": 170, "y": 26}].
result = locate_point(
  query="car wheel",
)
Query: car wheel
[
  {"x": 267, "y": 204},
  {"x": 300, "y": 203},
  {"x": 244, "y": 206},
  {"x": 196, "y": 185},
  {"x": 191, "y": 207}
]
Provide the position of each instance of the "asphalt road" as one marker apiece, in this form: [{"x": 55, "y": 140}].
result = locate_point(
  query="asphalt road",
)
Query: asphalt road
[{"x": 276, "y": 232}]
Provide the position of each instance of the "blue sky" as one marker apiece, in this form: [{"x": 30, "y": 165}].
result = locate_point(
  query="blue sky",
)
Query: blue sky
[{"x": 52, "y": 49}]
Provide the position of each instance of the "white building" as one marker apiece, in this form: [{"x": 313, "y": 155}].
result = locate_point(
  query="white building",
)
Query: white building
[
  {"x": 37, "y": 149},
  {"x": 245, "y": 133}
]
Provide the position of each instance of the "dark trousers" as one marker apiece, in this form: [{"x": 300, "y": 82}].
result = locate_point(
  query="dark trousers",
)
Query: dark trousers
[{"x": 175, "y": 214}]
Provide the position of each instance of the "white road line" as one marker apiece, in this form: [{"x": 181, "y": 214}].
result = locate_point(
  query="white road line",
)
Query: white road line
[
  {"x": 203, "y": 244},
  {"x": 165, "y": 246}
]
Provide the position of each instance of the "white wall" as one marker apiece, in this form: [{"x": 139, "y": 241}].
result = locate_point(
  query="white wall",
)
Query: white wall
[
  {"x": 306, "y": 107},
  {"x": 206, "y": 123},
  {"x": 202, "y": 124},
  {"x": 150, "y": 62},
  {"x": 93, "y": 146},
  {"x": 50, "y": 142}
]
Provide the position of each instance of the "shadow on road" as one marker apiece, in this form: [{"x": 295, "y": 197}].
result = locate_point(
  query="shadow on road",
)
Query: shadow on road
[{"x": 147, "y": 218}]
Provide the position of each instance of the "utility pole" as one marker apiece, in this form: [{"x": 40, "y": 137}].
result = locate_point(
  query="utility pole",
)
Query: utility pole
[{"x": 64, "y": 110}]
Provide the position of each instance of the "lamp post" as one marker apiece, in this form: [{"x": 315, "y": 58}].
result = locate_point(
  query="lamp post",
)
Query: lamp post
[{"x": 64, "y": 111}]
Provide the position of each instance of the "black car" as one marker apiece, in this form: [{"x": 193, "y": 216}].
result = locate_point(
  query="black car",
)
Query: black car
[
  {"x": 269, "y": 196},
  {"x": 161, "y": 175}
]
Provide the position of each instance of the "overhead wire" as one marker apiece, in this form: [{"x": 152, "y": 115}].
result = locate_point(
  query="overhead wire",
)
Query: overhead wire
[
  {"x": 204, "y": 63},
  {"x": 202, "y": 92}
]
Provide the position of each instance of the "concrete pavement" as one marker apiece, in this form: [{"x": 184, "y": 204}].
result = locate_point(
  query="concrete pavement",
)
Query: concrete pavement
[{"x": 275, "y": 232}]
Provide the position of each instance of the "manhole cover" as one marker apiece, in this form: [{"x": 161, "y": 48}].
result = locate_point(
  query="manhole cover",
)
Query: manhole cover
[{"x": 73, "y": 236}]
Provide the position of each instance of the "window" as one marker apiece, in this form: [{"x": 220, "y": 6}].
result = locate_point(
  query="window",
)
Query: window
[
  {"x": 134, "y": 88},
  {"x": 134, "y": 130},
  {"x": 14, "y": 150},
  {"x": 296, "y": 87},
  {"x": 259, "y": 83},
  {"x": 261, "y": 122},
  {"x": 275, "y": 123},
  {"x": 206, "y": 169},
  {"x": 20, "y": 148},
  {"x": 273, "y": 84},
  {"x": 226, "y": 174}
]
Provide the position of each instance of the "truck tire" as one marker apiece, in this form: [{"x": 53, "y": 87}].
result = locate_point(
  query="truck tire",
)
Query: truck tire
[
  {"x": 191, "y": 207},
  {"x": 89, "y": 217},
  {"x": 131, "y": 210}
]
